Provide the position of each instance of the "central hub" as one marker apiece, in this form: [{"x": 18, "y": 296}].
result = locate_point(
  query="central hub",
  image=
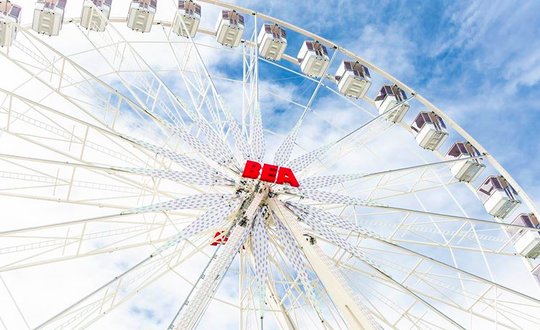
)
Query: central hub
[{"x": 269, "y": 173}]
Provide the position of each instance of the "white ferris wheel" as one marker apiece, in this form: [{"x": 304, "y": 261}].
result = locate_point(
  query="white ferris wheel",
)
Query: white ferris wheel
[{"x": 161, "y": 170}]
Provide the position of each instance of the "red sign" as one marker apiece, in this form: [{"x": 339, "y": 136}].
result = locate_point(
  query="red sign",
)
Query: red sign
[
  {"x": 269, "y": 173},
  {"x": 219, "y": 239}
]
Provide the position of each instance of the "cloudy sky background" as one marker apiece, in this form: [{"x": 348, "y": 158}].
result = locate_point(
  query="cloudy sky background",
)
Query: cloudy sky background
[{"x": 479, "y": 62}]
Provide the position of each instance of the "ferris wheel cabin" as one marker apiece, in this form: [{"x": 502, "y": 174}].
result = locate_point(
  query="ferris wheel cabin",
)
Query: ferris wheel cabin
[
  {"x": 469, "y": 169},
  {"x": 9, "y": 16},
  {"x": 141, "y": 15},
  {"x": 313, "y": 58},
  {"x": 95, "y": 14},
  {"x": 390, "y": 101},
  {"x": 430, "y": 130},
  {"x": 498, "y": 196},
  {"x": 528, "y": 242},
  {"x": 272, "y": 42},
  {"x": 230, "y": 28},
  {"x": 187, "y": 19},
  {"x": 353, "y": 79},
  {"x": 48, "y": 17}
]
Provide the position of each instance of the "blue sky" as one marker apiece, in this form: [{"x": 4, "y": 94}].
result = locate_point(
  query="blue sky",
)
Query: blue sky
[{"x": 478, "y": 61}]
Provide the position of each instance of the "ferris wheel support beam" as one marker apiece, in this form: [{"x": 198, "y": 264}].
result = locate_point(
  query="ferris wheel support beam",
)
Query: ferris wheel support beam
[
  {"x": 195, "y": 304},
  {"x": 338, "y": 291}
]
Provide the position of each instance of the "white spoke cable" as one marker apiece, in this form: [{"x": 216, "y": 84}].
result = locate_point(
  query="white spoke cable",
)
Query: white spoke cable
[
  {"x": 338, "y": 221},
  {"x": 332, "y": 198},
  {"x": 302, "y": 162},
  {"x": 91, "y": 306},
  {"x": 312, "y": 220},
  {"x": 284, "y": 151}
]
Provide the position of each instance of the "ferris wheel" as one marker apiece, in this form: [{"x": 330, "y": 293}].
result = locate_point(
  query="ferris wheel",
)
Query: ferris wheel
[{"x": 197, "y": 164}]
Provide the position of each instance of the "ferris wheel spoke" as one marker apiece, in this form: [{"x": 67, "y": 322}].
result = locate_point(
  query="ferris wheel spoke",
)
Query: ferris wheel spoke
[
  {"x": 75, "y": 239},
  {"x": 138, "y": 78},
  {"x": 312, "y": 220},
  {"x": 122, "y": 287},
  {"x": 379, "y": 297},
  {"x": 251, "y": 111},
  {"x": 68, "y": 241},
  {"x": 182, "y": 160},
  {"x": 140, "y": 110},
  {"x": 332, "y": 198},
  {"x": 84, "y": 142},
  {"x": 69, "y": 84},
  {"x": 204, "y": 290},
  {"x": 486, "y": 304},
  {"x": 422, "y": 229},
  {"x": 293, "y": 254},
  {"x": 422, "y": 262},
  {"x": 213, "y": 100},
  {"x": 285, "y": 149},
  {"x": 153, "y": 100},
  {"x": 302, "y": 162},
  {"x": 324, "y": 181},
  {"x": 188, "y": 178},
  {"x": 108, "y": 297},
  {"x": 53, "y": 123},
  {"x": 62, "y": 183}
]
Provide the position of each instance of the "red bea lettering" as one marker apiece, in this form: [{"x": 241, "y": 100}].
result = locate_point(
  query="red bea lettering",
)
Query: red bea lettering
[
  {"x": 286, "y": 176},
  {"x": 270, "y": 173},
  {"x": 251, "y": 170}
]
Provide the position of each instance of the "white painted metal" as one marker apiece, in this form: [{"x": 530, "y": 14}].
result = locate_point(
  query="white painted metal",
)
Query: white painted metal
[
  {"x": 95, "y": 14},
  {"x": 187, "y": 19},
  {"x": 338, "y": 289},
  {"x": 191, "y": 311},
  {"x": 353, "y": 79},
  {"x": 141, "y": 15},
  {"x": 467, "y": 170},
  {"x": 48, "y": 17},
  {"x": 9, "y": 16},
  {"x": 313, "y": 58},
  {"x": 229, "y": 28},
  {"x": 392, "y": 97},
  {"x": 204, "y": 149},
  {"x": 272, "y": 42}
]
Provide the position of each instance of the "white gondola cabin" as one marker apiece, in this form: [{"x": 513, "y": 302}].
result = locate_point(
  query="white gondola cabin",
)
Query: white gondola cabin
[
  {"x": 313, "y": 58},
  {"x": 353, "y": 79},
  {"x": 187, "y": 19},
  {"x": 95, "y": 14},
  {"x": 390, "y": 102},
  {"x": 430, "y": 130},
  {"x": 468, "y": 169},
  {"x": 49, "y": 16},
  {"x": 9, "y": 16},
  {"x": 498, "y": 196},
  {"x": 272, "y": 42},
  {"x": 527, "y": 242},
  {"x": 141, "y": 15},
  {"x": 230, "y": 28}
]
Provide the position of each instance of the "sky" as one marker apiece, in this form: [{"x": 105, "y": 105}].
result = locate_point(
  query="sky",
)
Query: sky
[{"x": 479, "y": 62}]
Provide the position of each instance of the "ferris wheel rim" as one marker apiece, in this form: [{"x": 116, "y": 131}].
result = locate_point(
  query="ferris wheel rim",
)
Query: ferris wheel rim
[{"x": 522, "y": 193}]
